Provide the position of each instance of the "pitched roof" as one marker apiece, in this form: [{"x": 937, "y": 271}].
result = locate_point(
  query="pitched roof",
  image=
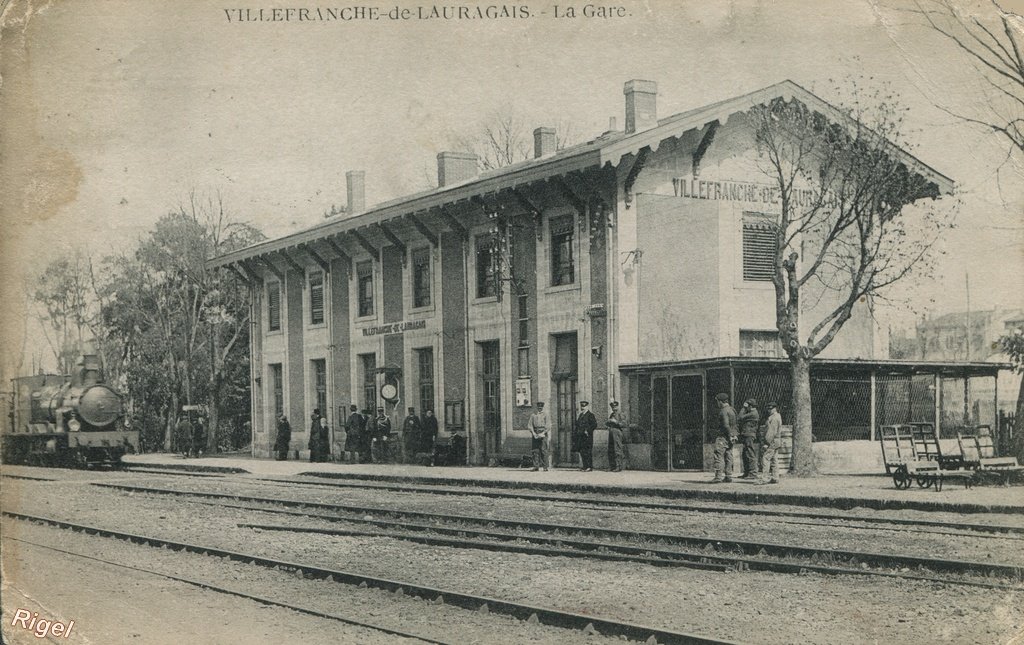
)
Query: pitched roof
[{"x": 607, "y": 149}]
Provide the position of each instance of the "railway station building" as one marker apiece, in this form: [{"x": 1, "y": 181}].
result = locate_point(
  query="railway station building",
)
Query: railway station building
[{"x": 631, "y": 267}]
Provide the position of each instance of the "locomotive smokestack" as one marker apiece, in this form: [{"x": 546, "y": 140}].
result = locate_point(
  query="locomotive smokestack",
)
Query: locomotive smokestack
[{"x": 90, "y": 370}]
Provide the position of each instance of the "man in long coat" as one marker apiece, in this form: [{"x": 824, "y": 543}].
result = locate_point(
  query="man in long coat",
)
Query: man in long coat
[
  {"x": 586, "y": 423},
  {"x": 284, "y": 438}
]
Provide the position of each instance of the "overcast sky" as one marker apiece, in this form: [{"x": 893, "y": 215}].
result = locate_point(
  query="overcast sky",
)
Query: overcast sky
[{"x": 114, "y": 111}]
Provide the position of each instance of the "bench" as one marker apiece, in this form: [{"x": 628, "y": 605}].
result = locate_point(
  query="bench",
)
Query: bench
[{"x": 979, "y": 453}]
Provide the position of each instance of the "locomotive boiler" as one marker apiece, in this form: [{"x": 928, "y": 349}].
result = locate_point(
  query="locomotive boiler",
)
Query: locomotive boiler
[{"x": 71, "y": 420}]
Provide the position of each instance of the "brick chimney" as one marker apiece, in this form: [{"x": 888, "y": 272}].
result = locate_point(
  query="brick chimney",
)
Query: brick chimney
[
  {"x": 355, "y": 184},
  {"x": 641, "y": 105},
  {"x": 453, "y": 167},
  {"x": 543, "y": 142}
]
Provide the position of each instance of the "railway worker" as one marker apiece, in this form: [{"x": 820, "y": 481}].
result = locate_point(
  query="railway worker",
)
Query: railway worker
[
  {"x": 314, "y": 436},
  {"x": 539, "y": 437},
  {"x": 366, "y": 449},
  {"x": 749, "y": 419},
  {"x": 183, "y": 436},
  {"x": 382, "y": 433},
  {"x": 428, "y": 435},
  {"x": 727, "y": 436},
  {"x": 355, "y": 427},
  {"x": 772, "y": 443},
  {"x": 616, "y": 445},
  {"x": 325, "y": 440},
  {"x": 198, "y": 437},
  {"x": 586, "y": 423},
  {"x": 284, "y": 438},
  {"x": 410, "y": 435}
]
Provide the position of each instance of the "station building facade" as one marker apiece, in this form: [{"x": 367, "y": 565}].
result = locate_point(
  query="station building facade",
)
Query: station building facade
[{"x": 574, "y": 275}]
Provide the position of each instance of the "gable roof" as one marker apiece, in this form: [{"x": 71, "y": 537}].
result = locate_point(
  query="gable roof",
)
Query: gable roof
[{"x": 608, "y": 149}]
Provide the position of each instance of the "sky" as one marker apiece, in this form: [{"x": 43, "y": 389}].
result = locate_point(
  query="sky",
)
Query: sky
[{"x": 115, "y": 110}]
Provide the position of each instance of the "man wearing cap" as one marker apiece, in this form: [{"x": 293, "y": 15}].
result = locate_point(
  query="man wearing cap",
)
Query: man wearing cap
[
  {"x": 586, "y": 423},
  {"x": 382, "y": 431},
  {"x": 616, "y": 447},
  {"x": 772, "y": 443},
  {"x": 539, "y": 437},
  {"x": 727, "y": 436},
  {"x": 749, "y": 420}
]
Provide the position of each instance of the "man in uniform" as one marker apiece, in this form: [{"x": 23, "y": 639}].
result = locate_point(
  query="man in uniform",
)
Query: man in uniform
[
  {"x": 284, "y": 437},
  {"x": 616, "y": 446},
  {"x": 428, "y": 434},
  {"x": 772, "y": 443},
  {"x": 539, "y": 434},
  {"x": 727, "y": 436},
  {"x": 586, "y": 423},
  {"x": 314, "y": 435},
  {"x": 410, "y": 435},
  {"x": 382, "y": 435},
  {"x": 356, "y": 426},
  {"x": 749, "y": 420}
]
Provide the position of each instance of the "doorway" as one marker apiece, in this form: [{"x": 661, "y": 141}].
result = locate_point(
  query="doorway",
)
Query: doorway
[
  {"x": 565, "y": 378},
  {"x": 677, "y": 441}
]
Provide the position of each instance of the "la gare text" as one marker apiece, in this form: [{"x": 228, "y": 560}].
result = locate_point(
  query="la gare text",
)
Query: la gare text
[{"x": 422, "y": 12}]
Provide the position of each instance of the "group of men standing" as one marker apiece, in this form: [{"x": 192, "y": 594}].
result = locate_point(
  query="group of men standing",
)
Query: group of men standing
[
  {"x": 586, "y": 424},
  {"x": 747, "y": 424},
  {"x": 190, "y": 437},
  {"x": 364, "y": 438}
]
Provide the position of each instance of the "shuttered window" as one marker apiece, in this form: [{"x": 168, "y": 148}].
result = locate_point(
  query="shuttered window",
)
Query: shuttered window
[
  {"x": 316, "y": 298},
  {"x": 563, "y": 268},
  {"x": 758, "y": 247},
  {"x": 421, "y": 277},
  {"x": 277, "y": 387},
  {"x": 760, "y": 343},
  {"x": 364, "y": 271},
  {"x": 274, "y": 306},
  {"x": 486, "y": 282}
]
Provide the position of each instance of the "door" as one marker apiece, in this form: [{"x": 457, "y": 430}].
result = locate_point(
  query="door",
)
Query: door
[
  {"x": 490, "y": 388},
  {"x": 686, "y": 419},
  {"x": 659, "y": 423},
  {"x": 564, "y": 377}
]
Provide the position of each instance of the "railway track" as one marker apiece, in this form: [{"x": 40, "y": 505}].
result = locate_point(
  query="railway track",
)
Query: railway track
[
  {"x": 634, "y": 505},
  {"x": 545, "y": 615},
  {"x": 781, "y": 558},
  {"x": 239, "y": 594}
]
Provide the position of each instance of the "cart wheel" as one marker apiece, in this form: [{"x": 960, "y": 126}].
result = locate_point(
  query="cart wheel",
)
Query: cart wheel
[
  {"x": 901, "y": 478},
  {"x": 924, "y": 482}
]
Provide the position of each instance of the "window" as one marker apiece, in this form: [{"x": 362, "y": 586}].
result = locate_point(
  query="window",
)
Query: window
[
  {"x": 320, "y": 383},
  {"x": 760, "y": 343},
  {"x": 277, "y": 387},
  {"x": 421, "y": 277},
  {"x": 486, "y": 285},
  {"x": 364, "y": 272},
  {"x": 274, "y": 306},
  {"x": 316, "y": 298},
  {"x": 758, "y": 248},
  {"x": 562, "y": 267},
  {"x": 523, "y": 354},
  {"x": 369, "y": 363},
  {"x": 425, "y": 359}
]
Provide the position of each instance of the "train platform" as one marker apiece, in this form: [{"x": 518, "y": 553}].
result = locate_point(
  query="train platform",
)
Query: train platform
[{"x": 869, "y": 491}]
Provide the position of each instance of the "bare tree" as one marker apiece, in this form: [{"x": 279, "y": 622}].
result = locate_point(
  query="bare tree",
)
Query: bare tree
[
  {"x": 993, "y": 45},
  {"x": 507, "y": 138},
  {"x": 841, "y": 236}
]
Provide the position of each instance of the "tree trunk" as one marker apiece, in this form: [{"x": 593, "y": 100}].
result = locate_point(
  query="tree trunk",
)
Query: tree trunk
[
  {"x": 171, "y": 420},
  {"x": 803, "y": 454},
  {"x": 1017, "y": 447},
  {"x": 215, "y": 381}
]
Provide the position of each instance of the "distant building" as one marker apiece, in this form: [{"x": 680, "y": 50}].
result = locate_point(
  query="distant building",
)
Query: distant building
[{"x": 946, "y": 337}]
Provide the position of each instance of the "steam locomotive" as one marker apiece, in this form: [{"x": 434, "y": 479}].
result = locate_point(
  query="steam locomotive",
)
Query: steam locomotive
[{"x": 59, "y": 420}]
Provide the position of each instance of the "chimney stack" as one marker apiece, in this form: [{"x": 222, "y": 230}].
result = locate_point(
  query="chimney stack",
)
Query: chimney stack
[
  {"x": 641, "y": 105},
  {"x": 543, "y": 142},
  {"x": 355, "y": 184},
  {"x": 453, "y": 167}
]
